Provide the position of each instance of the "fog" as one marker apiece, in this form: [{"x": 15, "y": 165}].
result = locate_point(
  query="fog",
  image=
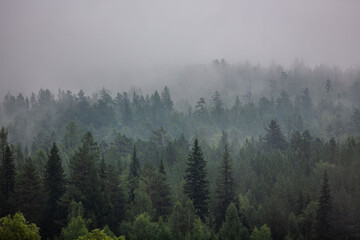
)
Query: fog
[{"x": 122, "y": 44}]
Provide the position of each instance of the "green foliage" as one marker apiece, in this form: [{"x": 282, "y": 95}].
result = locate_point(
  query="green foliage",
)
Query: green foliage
[
  {"x": 7, "y": 173},
  {"x": 160, "y": 193},
  {"x": 29, "y": 193},
  {"x": 163, "y": 231},
  {"x": 263, "y": 233},
  {"x": 134, "y": 174},
  {"x": 84, "y": 178},
  {"x": 196, "y": 183},
  {"x": 274, "y": 137},
  {"x": 54, "y": 182},
  {"x": 225, "y": 186},
  {"x": 143, "y": 228},
  {"x": 98, "y": 234},
  {"x": 142, "y": 202},
  {"x": 200, "y": 231},
  {"x": 17, "y": 228},
  {"x": 324, "y": 221},
  {"x": 232, "y": 228},
  {"x": 182, "y": 219},
  {"x": 75, "y": 228}
]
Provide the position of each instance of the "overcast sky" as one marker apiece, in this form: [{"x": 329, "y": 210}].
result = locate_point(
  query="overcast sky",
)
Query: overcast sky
[{"x": 73, "y": 43}]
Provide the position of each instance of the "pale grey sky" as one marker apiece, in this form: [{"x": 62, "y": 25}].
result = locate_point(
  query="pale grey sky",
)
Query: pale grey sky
[{"x": 73, "y": 44}]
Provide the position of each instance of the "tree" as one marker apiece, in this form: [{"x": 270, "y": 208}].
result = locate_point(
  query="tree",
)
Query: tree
[
  {"x": 232, "y": 228},
  {"x": 200, "y": 231},
  {"x": 160, "y": 194},
  {"x": 166, "y": 99},
  {"x": 54, "y": 182},
  {"x": 196, "y": 183},
  {"x": 84, "y": 178},
  {"x": 143, "y": 228},
  {"x": 98, "y": 234},
  {"x": 306, "y": 100},
  {"x": 7, "y": 174},
  {"x": 133, "y": 176},
  {"x": 29, "y": 193},
  {"x": 182, "y": 219},
  {"x": 17, "y": 228},
  {"x": 274, "y": 137},
  {"x": 75, "y": 228},
  {"x": 324, "y": 226},
  {"x": 225, "y": 187},
  {"x": 263, "y": 233}
]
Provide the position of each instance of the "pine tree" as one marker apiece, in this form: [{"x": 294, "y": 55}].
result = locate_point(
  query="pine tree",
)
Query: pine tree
[
  {"x": 274, "y": 137},
  {"x": 85, "y": 183},
  {"x": 196, "y": 183},
  {"x": 225, "y": 187},
  {"x": 324, "y": 226},
  {"x": 54, "y": 182},
  {"x": 160, "y": 194},
  {"x": 134, "y": 173},
  {"x": 29, "y": 193},
  {"x": 7, "y": 174},
  {"x": 117, "y": 199},
  {"x": 3, "y": 142}
]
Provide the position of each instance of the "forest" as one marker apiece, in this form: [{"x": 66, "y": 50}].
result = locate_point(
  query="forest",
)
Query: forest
[{"x": 274, "y": 155}]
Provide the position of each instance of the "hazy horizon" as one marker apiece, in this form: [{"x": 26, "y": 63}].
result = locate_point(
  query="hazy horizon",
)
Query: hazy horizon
[{"x": 118, "y": 45}]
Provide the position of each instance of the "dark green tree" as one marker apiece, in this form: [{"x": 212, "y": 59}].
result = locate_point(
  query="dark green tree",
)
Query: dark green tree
[
  {"x": 274, "y": 137},
  {"x": 7, "y": 174},
  {"x": 84, "y": 184},
  {"x": 324, "y": 226},
  {"x": 54, "y": 182},
  {"x": 134, "y": 174},
  {"x": 225, "y": 187},
  {"x": 232, "y": 228},
  {"x": 196, "y": 183},
  {"x": 29, "y": 193},
  {"x": 160, "y": 194}
]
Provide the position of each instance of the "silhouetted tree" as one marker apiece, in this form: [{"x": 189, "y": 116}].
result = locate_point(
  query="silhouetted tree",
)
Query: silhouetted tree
[
  {"x": 324, "y": 226},
  {"x": 196, "y": 183}
]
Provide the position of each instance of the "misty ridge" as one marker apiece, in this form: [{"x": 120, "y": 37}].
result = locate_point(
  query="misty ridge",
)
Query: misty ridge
[{"x": 300, "y": 97}]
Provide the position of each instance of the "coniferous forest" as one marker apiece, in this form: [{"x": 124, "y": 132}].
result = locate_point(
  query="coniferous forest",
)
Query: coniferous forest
[{"x": 279, "y": 164}]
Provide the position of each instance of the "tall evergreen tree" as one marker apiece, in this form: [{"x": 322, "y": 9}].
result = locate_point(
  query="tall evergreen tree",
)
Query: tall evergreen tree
[
  {"x": 196, "y": 183},
  {"x": 274, "y": 137},
  {"x": 3, "y": 142},
  {"x": 7, "y": 174},
  {"x": 324, "y": 226},
  {"x": 54, "y": 182},
  {"x": 134, "y": 174},
  {"x": 225, "y": 187},
  {"x": 84, "y": 178},
  {"x": 160, "y": 194},
  {"x": 29, "y": 193}
]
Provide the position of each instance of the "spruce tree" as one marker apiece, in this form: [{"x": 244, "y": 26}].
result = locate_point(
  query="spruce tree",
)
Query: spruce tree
[
  {"x": 133, "y": 176},
  {"x": 85, "y": 183},
  {"x": 29, "y": 193},
  {"x": 160, "y": 194},
  {"x": 324, "y": 226},
  {"x": 3, "y": 142},
  {"x": 7, "y": 174},
  {"x": 54, "y": 182},
  {"x": 196, "y": 183},
  {"x": 225, "y": 187},
  {"x": 274, "y": 137}
]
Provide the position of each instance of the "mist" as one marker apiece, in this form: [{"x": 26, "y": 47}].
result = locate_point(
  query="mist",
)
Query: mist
[{"x": 148, "y": 44}]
